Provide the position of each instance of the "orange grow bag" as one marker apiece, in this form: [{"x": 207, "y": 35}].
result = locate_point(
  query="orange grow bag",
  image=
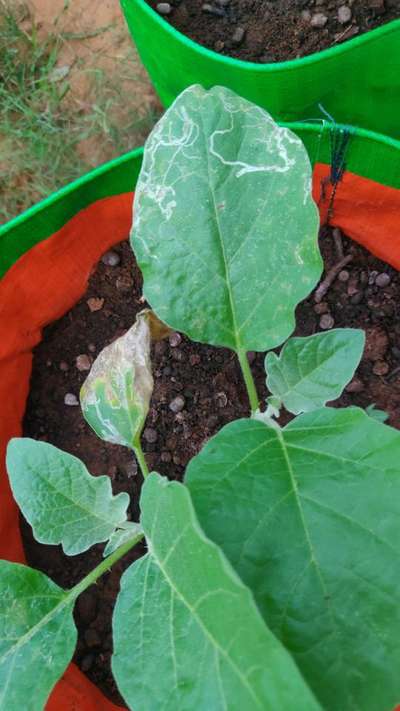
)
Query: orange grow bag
[{"x": 58, "y": 243}]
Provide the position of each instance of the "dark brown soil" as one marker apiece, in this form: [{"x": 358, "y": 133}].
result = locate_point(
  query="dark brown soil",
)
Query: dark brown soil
[
  {"x": 260, "y": 31},
  {"x": 209, "y": 381}
]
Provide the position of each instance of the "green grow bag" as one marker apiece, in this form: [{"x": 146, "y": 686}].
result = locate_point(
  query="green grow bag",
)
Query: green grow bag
[{"x": 357, "y": 82}]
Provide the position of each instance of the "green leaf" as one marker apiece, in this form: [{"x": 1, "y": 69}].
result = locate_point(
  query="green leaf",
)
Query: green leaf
[
  {"x": 116, "y": 394},
  {"x": 60, "y": 499},
  {"x": 37, "y": 636},
  {"x": 225, "y": 229},
  {"x": 121, "y": 535},
  {"x": 187, "y": 634},
  {"x": 376, "y": 414},
  {"x": 311, "y": 371},
  {"x": 309, "y": 517}
]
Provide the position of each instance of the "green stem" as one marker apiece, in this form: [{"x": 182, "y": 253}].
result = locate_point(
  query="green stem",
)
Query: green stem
[
  {"x": 137, "y": 448},
  {"x": 104, "y": 566},
  {"x": 248, "y": 379}
]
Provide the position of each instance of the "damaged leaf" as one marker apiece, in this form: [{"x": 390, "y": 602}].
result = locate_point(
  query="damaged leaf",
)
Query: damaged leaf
[{"x": 116, "y": 394}]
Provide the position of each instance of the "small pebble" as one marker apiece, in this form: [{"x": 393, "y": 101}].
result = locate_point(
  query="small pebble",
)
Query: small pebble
[
  {"x": 124, "y": 283},
  {"x": 111, "y": 259},
  {"x": 212, "y": 10},
  {"x": 380, "y": 367},
  {"x": 71, "y": 400},
  {"x": 219, "y": 45},
  {"x": 176, "y": 459},
  {"x": 49, "y": 363},
  {"x": 326, "y": 322},
  {"x": 83, "y": 362},
  {"x": 321, "y": 308},
  {"x": 221, "y": 399},
  {"x": 357, "y": 298},
  {"x": 306, "y": 15},
  {"x": 64, "y": 366},
  {"x": 91, "y": 347},
  {"x": 95, "y": 304},
  {"x": 344, "y": 275},
  {"x": 177, "y": 404},
  {"x": 372, "y": 277},
  {"x": 238, "y": 35},
  {"x": 382, "y": 280},
  {"x": 131, "y": 469},
  {"x": 177, "y": 354},
  {"x": 344, "y": 14},
  {"x": 175, "y": 339},
  {"x": 352, "y": 288},
  {"x": 164, "y": 8},
  {"x": 318, "y": 20},
  {"x": 150, "y": 435},
  {"x": 355, "y": 386},
  {"x": 165, "y": 457}
]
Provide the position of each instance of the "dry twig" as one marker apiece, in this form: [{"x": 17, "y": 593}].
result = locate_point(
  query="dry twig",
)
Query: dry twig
[{"x": 330, "y": 278}]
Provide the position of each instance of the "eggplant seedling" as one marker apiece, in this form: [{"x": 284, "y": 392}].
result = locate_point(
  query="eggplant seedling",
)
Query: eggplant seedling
[{"x": 270, "y": 580}]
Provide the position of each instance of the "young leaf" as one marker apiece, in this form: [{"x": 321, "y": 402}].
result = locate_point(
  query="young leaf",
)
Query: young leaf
[
  {"x": 116, "y": 394},
  {"x": 316, "y": 537},
  {"x": 225, "y": 229},
  {"x": 121, "y": 535},
  {"x": 60, "y": 499},
  {"x": 37, "y": 636},
  {"x": 311, "y": 371},
  {"x": 187, "y": 634}
]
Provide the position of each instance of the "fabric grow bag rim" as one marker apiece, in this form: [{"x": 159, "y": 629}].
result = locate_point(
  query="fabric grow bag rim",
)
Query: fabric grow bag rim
[
  {"x": 337, "y": 50},
  {"x": 59, "y": 194}
]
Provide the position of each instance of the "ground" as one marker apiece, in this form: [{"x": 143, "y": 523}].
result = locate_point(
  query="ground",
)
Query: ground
[{"x": 73, "y": 94}]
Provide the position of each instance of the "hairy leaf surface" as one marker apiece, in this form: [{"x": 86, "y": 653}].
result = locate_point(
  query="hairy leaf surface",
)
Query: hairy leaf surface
[
  {"x": 37, "y": 636},
  {"x": 187, "y": 633},
  {"x": 225, "y": 229},
  {"x": 311, "y": 371},
  {"x": 60, "y": 499},
  {"x": 116, "y": 394},
  {"x": 310, "y": 518}
]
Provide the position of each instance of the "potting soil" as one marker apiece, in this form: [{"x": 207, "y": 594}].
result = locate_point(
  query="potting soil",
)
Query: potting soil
[
  {"x": 259, "y": 31},
  {"x": 197, "y": 390}
]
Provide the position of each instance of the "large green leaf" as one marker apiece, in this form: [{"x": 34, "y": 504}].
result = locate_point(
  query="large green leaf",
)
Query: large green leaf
[
  {"x": 225, "y": 229},
  {"x": 116, "y": 394},
  {"x": 311, "y": 371},
  {"x": 60, "y": 499},
  {"x": 310, "y": 518},
  {"x": 37, "y": 636},
  {"x": 187, "y": 634}
]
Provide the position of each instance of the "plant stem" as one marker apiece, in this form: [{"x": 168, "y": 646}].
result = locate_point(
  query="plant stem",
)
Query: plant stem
[
  {"x": 248, "y": 379},
  {"x": 137, "y": 448},
  {"x": 104, "y": 566}
]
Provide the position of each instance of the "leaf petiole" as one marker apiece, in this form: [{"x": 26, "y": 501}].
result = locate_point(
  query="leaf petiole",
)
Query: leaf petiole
[
  {"x": 137, "y": 448},
  {"x": 248, "y": 379},
  {"x": 103, "y": 567}
]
